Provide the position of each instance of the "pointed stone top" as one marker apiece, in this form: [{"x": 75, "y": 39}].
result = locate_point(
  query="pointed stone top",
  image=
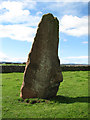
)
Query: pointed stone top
[
  {"x": 48, "y": 18},
  {"x": 50, "y": 15}
]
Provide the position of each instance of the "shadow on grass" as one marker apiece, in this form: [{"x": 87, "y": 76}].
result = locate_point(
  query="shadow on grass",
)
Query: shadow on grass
[{"x": 68, "y": 100}]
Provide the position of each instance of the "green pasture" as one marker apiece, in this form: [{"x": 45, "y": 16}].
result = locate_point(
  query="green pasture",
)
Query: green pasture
[
  {"x": 71, "y": 100},
  {"x": 13, "y": 64}
]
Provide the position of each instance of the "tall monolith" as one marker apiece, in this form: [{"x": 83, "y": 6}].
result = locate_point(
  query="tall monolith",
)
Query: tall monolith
[{"x": 42, "y": 75}]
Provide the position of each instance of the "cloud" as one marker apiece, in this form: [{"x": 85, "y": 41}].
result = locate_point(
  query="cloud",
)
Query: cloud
[
  {"x": 73, "y": 25},
  {"x": 49, "y": 0},
  {"x": 17, "y": 13},
  {"x": 78, "y": 57},
  {"x": 74, "y": 0},
  {"x": 5, "y": 58},
  {"x": 65, "y": 40},
  {"x": 16, "y": 21},
  {"x": 64, "y": 60},
  {"x": 85, "y": 42},
  {"x": 12, "y": 14},
  {"x": 17, "y": 32},
  {"x": 75, "y": 60},
  {"x": 11, "y": 4},
  {"x": 62, "y": 0},
  {"x": 38, "y": 13},
  {"x": 2, "y": 56}
]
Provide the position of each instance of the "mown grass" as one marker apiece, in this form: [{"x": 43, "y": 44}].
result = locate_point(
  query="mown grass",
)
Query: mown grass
[{"x": 71, "y": 100}]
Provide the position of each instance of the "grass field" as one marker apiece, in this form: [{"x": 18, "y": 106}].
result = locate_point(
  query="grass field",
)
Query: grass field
[
  {"x": 13, "y": 64},
  {"x": 71, "y": 100}
]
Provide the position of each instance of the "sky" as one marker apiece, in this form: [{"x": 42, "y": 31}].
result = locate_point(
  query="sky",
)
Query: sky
[{"x": 18, "y": 25}]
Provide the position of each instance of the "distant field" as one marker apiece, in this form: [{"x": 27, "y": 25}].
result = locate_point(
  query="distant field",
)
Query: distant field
[
  {"x": 13, "y": 64},
  {"x": 71, "y": 100}
]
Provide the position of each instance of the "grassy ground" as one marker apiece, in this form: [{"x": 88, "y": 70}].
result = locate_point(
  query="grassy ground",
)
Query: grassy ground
[
  {"x": 71, "y": 100},
  {"x": 13, "y": 64}
]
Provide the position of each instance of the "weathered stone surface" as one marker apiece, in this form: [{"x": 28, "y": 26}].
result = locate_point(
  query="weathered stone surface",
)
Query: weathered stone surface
[{"x": 42, "y": 74}]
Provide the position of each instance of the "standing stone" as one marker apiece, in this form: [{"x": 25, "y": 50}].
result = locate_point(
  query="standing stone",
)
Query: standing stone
[{"x": 42, "y": 75}]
